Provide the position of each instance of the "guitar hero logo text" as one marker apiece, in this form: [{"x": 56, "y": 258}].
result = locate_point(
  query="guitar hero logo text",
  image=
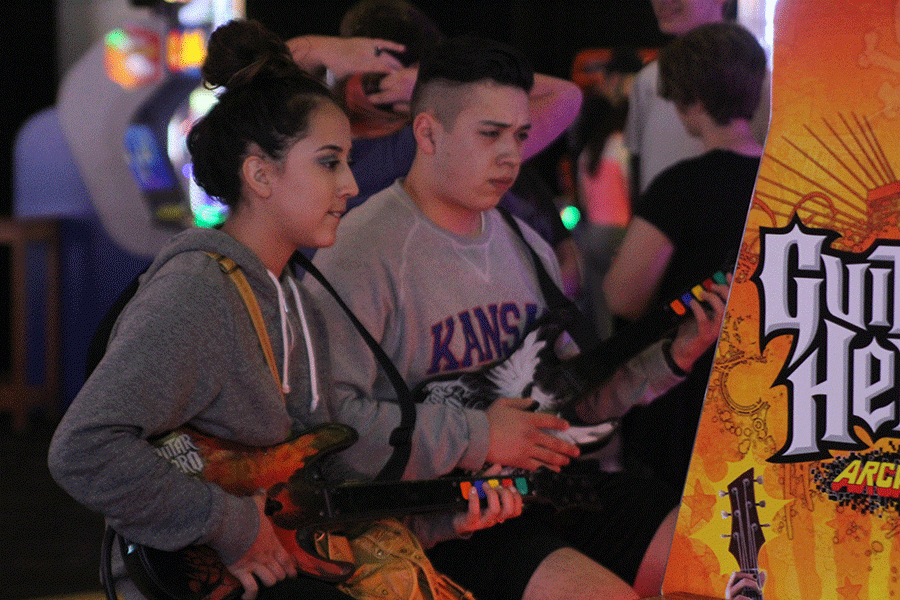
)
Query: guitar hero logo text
[{"x": 843, "y": 311}]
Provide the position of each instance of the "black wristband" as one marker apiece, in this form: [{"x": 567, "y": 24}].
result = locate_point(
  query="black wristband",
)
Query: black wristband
[{"x": 667, "y": 354}]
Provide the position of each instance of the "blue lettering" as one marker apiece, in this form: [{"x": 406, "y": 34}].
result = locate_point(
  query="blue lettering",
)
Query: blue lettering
[
  {"x": 472, "y": 343},
  {"x": 509, "y": 321},
  {"x": 441, "y": 347},
  {"x": 490, "y": 331}
]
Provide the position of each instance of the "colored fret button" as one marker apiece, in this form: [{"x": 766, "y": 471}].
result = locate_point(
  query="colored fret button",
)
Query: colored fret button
[
  {"x": 479, "y": 485},
  {"x": 720, "y": 277},
  {"x": 522, "y": 485},
  {"x": 464, "y": 487},
  {"x": 708, "y": 283},
  {"x": 494, "y": 483},
  {"x": 678, "y": 307},
  {"x": 697, "y": 291},
  {"x": 686, "y": 298}
]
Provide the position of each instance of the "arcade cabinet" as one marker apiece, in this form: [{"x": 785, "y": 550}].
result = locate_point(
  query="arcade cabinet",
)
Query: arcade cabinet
[
  {"x": 795, "y": 474},
  {"x": 109, "y": 161}
]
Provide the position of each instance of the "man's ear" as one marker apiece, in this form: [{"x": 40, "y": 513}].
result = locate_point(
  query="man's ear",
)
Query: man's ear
[
  {"x": 424, "y": 130},
  {"x": 256, "y": 174}
]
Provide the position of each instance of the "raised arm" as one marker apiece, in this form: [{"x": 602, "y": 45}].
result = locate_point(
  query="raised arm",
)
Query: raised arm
[
  {"x": 554, "y": 105},
  {"x": 637, "y": 269},
  {"x": 343, "y": 56},
  {"x": 554, "y": 102}
]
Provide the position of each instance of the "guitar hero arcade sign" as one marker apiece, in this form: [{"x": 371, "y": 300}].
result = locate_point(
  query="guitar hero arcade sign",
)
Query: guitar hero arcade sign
[{"x": 843, "y": 311}]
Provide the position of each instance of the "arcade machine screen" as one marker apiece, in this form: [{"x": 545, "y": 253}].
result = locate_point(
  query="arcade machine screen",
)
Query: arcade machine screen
[{"x": 155, "y": 139}]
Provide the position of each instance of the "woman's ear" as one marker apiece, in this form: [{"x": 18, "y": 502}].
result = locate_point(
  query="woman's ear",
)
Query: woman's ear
[
  {"x": 424, "y": 128},
  {"x": 257, "y": 175}
]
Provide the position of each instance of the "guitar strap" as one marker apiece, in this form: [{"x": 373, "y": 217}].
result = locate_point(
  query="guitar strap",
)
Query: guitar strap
[
  {"x": 230, "y": 268},
  {"x": 577, "y": 324},
  {"x": 401, "y": 437}
]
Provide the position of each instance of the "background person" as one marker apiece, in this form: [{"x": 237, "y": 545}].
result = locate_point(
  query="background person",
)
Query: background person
[
  {"x": 654, "y": 135},
  {"x": 689, "y": 222}
]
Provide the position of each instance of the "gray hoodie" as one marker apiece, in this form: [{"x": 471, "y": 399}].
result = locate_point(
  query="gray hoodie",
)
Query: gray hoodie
[{"x": 184, "y": 351}]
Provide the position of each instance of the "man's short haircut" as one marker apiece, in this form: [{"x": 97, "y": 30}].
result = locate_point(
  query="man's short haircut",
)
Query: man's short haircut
[
  {"x": 464, "y": 60},
  {"x": 721, "y": 65}
]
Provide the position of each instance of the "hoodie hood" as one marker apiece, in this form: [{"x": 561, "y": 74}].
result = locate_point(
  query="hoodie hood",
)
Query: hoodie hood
[
  {"x": 197, "y": 239},
  {"x": 270, "y": 291},
  {"x": 202, "y": 239}
]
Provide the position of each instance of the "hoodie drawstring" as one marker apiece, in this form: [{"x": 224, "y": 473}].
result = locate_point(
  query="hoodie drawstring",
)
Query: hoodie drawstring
[
  {"x": 313, "y": 372},
  {"x": 288, "y": 339}
]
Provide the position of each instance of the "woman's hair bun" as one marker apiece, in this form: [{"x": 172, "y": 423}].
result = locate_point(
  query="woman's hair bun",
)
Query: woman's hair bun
[{"x": 241, "y": 50}]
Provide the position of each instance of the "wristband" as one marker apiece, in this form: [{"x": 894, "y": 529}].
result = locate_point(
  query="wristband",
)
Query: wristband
[{"x": 667, "y": 354}]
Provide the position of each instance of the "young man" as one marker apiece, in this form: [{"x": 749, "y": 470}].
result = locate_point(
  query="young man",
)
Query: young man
[{"x": 445, "y": 285}]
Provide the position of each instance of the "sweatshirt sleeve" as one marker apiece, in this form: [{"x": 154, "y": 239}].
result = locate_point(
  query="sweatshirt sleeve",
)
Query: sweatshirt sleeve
[
  {"x": 639, "y": 381},
  {"x": 154, "y": 377}
]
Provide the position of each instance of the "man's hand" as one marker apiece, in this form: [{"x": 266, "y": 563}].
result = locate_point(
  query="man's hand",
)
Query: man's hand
[
  {"x": 344, "y": 56},
  {"x": 266, "y": 559},
  {"x": 702, "y": 330},
  {"x": 517, "y": 439},
  {"x": 502, "y": 503},
  {"x": 396, "y": 89}
]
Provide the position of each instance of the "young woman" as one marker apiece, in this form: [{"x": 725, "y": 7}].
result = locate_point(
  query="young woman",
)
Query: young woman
[{"x": 184, "y": 350}]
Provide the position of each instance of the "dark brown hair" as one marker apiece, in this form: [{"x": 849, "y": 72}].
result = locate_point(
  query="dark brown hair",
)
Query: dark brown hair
[
  {"x": 721, "y": 65},
  {"x": 267, "y": 103}
]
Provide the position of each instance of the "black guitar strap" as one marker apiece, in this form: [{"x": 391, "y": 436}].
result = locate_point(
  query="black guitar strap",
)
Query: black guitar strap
[
  {"x": 579, "y": 327},
  {"x": 401, "y": 437}
]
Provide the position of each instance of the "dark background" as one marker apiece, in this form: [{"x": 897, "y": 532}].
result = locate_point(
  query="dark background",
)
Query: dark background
[{"x": 550, "y": 32}]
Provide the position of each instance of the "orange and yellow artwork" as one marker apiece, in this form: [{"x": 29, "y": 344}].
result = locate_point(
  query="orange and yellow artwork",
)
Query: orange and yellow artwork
[{"x": 796, "y": 466}]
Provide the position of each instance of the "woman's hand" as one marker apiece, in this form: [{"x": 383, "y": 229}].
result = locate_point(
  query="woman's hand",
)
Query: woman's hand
[
  {"x": 502, "y": 503},
  {"x": 266, "y": 559}
]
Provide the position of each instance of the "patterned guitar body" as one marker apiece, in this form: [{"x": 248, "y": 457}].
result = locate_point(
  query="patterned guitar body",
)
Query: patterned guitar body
[{"x": 299, "y": 503}]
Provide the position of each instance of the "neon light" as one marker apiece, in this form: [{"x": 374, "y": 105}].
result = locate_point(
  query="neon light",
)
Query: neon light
[
  {"x": 210, "y": 215},
  {"x": 132, "y": 57},
  {"x": 570, "y": 216},
  {"x": 117, "y": 39},
  {"x": 185, "y": 50}
]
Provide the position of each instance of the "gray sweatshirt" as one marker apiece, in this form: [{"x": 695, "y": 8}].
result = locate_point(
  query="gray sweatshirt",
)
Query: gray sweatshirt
[{"x": 439, "y": 304}]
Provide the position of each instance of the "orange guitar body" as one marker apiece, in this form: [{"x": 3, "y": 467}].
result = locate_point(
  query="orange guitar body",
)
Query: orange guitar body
[{"x": 196, "y": 573}]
